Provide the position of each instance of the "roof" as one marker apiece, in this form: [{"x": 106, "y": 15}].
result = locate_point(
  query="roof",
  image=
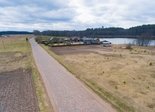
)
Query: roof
[{"x": 105, "y": 41}]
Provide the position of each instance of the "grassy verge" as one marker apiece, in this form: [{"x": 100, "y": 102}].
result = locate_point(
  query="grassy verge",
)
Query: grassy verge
[
  {"x": 116, "y": 102},
  {"x": 104, "y": 94},
  {"x": 16, "y": 53}
]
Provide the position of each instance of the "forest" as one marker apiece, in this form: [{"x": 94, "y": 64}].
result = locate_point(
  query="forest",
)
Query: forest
[{"x": 147, "y": 31}]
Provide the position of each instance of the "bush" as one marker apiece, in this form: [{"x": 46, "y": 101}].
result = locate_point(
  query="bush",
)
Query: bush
[
  {"x": 150, "y": 63},
  {"x": 124, "y": 82},
  {"x": 129, "y": 46}
]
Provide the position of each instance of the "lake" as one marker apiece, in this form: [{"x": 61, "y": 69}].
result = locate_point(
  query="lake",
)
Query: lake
[{"x": 124, "y": 41}]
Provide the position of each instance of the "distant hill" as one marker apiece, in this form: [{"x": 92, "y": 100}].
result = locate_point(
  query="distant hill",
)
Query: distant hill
[{"x": 112, "y": 32}]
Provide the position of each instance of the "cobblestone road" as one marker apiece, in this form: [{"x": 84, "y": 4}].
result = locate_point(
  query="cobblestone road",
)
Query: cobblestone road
[{"x": 66, "y": 93}]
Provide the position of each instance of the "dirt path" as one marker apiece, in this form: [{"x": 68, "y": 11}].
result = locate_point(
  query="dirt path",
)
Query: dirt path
[{"x": 66, "y": 93}]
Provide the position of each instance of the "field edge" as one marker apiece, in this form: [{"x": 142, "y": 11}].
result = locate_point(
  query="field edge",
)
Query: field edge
[{"x": 115, "y": 102}]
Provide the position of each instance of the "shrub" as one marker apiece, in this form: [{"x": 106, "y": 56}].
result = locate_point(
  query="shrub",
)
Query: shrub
[
  {"x": 129, "y": 46},
  {"x": 124, "y": 82},
  {"x": 150, "y": 63},
  {"x": 116, "y": 87}
]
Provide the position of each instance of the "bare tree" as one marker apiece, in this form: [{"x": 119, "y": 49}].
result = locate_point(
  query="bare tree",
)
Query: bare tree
[{"x": 143, "y": 40}]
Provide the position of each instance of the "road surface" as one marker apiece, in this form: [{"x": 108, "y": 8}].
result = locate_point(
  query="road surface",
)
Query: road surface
[{"x": 66, "y": 93}]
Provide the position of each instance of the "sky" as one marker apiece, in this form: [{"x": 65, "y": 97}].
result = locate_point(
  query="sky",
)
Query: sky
[{"x": 29, "y": 15}]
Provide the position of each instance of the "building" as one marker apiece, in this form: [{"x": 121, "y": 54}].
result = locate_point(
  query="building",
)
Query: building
[{"x": 90, "y": 41}]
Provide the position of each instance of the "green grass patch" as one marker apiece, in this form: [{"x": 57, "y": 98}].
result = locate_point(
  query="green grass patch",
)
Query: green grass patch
[{"x": 13, "y": 45}]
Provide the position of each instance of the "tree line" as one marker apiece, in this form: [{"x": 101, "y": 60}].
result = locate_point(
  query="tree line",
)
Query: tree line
[
  {"x": 145, "y": 31},
  {"x": 113, "y": 32},
  {"x": 14, "y": 32}
]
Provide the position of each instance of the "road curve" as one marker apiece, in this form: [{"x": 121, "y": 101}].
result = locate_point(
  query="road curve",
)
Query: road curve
[{"x": 66, "y": 93}]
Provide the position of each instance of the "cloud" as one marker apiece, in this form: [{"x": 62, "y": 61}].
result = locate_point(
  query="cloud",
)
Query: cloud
[{"x": 74, "y": 14}]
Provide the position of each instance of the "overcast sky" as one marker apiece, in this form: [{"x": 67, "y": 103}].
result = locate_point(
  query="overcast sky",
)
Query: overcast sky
[{"x": 74, "y": 14}]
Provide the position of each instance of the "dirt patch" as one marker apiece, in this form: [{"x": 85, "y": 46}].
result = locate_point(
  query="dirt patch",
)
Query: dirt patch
[
  {"x": 79, "y": 49},
  {"x": 17, "y": 93}
]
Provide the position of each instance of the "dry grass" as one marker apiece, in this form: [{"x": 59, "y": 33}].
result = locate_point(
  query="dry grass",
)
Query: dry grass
[
  {"x": 15, "y": 53},
  {"x": 123, "y": 77}
]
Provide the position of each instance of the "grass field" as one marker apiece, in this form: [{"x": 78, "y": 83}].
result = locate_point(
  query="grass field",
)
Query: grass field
[
  {"x": 17, "y": 64},
  {"x": 123, "y": 77}
]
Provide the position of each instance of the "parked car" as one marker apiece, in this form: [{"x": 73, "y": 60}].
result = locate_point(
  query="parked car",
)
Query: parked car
[{"x": 106, "y": 43}]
